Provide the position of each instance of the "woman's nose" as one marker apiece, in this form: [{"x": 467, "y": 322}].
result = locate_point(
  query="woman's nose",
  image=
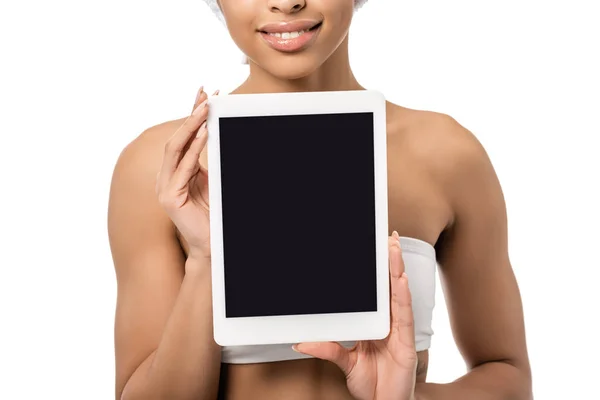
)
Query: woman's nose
[{"x": 287, "y": 6}]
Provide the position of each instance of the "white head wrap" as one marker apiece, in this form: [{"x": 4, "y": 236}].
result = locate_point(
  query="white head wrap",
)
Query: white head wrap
[{"x": 214, "y": 6}]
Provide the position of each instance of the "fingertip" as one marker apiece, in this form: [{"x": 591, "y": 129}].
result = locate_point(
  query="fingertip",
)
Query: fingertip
[{"x": 198, "y": 94}]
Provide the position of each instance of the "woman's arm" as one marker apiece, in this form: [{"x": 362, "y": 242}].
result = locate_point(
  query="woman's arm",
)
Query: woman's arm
[
  {"x": 163, "y": 328},
  {"x": 481, "y": 292}
]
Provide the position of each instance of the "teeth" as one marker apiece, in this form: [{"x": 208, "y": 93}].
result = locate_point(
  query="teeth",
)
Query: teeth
[{"x": 287, "y": 35}]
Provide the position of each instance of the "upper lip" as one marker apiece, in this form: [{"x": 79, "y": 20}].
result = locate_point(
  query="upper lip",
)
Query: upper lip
[{"x": 291, "y": 26}]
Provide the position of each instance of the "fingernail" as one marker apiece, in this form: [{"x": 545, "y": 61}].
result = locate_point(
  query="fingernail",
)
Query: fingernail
[
  {"x": 295, "y": 348},
  {"x": 201, "y": 130},
  {"x": 395, "y": 234},
  {"x": 200, "y": 107},
  {"x": 199, "y": 93},
  {"x": 216, "y": 92}
]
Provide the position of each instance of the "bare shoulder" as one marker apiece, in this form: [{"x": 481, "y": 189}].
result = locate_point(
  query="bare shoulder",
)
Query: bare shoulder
[
  {"x": 133, "y": 202},
  {"x": 447, "y": 149},
  {"x": 144, "y": 153},
  {"x": 443, "y": 142}
]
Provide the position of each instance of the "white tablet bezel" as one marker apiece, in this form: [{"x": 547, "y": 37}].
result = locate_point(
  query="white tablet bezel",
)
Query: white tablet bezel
[{"x": 299, "y": 328}]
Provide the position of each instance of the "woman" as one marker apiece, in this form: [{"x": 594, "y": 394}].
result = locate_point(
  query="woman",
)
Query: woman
[{"x": 443, "y": 191}]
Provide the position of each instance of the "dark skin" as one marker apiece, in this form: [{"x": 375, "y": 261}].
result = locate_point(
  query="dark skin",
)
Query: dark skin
[{"x": 442, "y": 189}]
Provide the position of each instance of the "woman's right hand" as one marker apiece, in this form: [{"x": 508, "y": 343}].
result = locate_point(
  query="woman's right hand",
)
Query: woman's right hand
[{"x": 182, "y": 183}]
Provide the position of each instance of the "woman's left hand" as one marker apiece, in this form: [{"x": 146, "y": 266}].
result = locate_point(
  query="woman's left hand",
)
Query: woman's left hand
[{"x": 380, "y": 369}]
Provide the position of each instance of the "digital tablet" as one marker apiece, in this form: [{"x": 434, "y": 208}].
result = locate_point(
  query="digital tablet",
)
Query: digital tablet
[{"x": 298, "y": 217}]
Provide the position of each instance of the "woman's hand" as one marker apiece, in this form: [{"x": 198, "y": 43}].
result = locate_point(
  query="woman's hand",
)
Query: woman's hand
[
  {"x": 182, "y": 184},
  {"x": 381, "y": 369}
]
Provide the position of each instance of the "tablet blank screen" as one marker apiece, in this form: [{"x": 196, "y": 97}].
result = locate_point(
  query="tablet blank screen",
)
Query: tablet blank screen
[{"x": 298, "y": 206}]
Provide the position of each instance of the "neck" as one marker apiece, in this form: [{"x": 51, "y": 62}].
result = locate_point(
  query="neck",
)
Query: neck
[{"x": 334, "y": 74}]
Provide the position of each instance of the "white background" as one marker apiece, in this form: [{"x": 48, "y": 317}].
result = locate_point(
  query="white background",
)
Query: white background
[{"x": 80, "y": 79}]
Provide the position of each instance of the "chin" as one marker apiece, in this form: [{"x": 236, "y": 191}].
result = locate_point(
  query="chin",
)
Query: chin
[{"x": 290, "y": 67}]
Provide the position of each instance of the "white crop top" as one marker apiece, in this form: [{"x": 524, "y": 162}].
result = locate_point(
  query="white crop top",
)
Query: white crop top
[{"x": 420, "y": 265}]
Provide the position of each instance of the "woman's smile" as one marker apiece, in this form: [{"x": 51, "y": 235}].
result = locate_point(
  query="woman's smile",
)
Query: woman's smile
[{"x": 291, "y": 36}]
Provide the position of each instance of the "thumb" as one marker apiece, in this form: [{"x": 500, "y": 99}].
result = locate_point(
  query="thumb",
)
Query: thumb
[{"x": 344, "y": 358}]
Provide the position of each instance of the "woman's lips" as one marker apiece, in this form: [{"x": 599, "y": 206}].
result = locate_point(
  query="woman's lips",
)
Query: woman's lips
[{"x": 290, "y": 37}]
